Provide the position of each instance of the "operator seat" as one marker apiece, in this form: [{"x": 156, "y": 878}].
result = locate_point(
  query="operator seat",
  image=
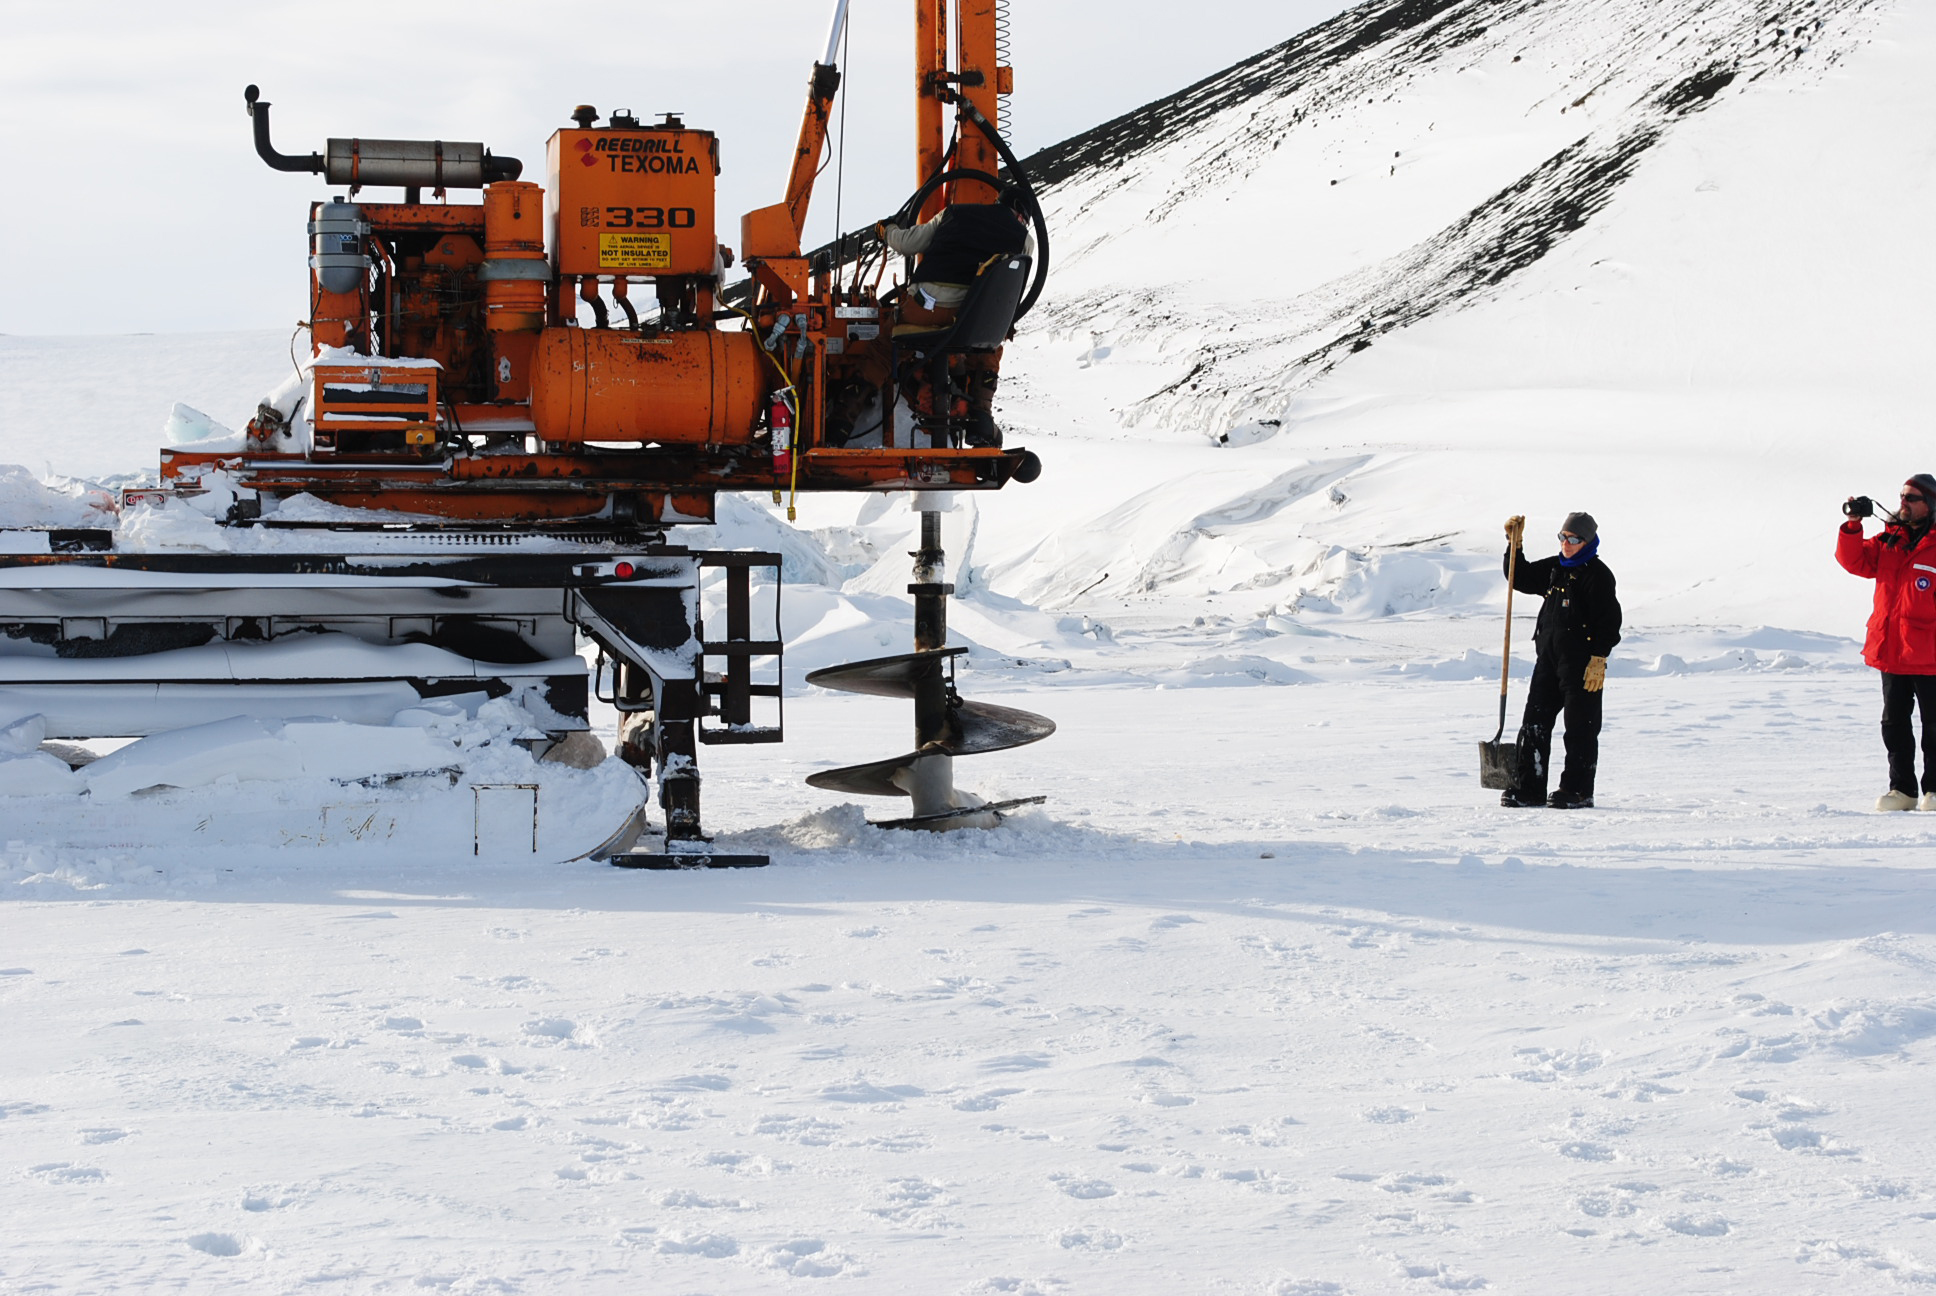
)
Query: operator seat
[{"x": 980, "y": 326}]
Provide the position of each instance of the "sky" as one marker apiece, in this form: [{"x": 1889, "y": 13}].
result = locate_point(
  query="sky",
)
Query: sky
[{"x": 138, "y": 205}]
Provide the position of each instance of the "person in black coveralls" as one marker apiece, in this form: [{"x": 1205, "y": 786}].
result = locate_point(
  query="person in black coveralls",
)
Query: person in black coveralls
[
  {"x": 953, "y": 246},
  {"x": 1579, "y": 623}
]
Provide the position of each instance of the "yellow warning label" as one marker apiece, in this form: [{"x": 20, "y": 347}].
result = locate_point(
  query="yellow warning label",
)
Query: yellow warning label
[{"x": 634, "y": 251}]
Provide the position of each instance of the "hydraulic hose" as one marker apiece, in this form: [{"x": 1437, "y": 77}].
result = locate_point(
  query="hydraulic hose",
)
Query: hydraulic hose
[
  {"x": 1020, "y": 178},
  {"x": 935, "y": 181}
]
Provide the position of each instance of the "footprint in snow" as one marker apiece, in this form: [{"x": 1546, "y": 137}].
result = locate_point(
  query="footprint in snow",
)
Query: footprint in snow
[
  {"x": 1083, "y": 1189},
  {"x": 1442, "y": 1276},
  {"x": 257, "y": 1202},
  {"x": 226, "y": 1245},
  {"x": 1800, "y": 1138},
  {"x": 1387, "y": 1115},
  {"x": 808, "y": 1131},
  {"x": 988, "y": 1100},
  {"x": 1405, "y": 1183},
  {"x": 1716, "y": 1164},
  {"x": 685, "y": 1199},
  {"x": 1581, "y": 1150},
  {"x": 713, "y": 1246},
  {"x": 712, "y": 1083},
  {"x": 906, "y": 1198},
  {"x": 1167, "y": 921},
  {"x": 1168, "y": 1099},
  {"x": 1697, "y": 1225},
  {"x": 860, "y": 1091},
  {"x": 807, "y": 1258},
  {"x": 103, "y": 1135},
  {"x": 66, "y": 1172}
]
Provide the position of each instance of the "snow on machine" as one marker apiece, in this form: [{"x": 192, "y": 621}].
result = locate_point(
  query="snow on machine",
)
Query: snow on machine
[{"x": 463, "y": 482}]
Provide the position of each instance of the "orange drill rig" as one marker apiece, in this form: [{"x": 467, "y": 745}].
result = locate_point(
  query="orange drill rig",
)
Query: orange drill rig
[
  {"x": 525, "y": 416},
  {"x": 525, "y": 468}
]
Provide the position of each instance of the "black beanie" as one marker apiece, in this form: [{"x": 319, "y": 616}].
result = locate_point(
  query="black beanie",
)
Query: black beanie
[
  {"x": 1926, "y": 484},
  {"x": 1583, "y": 526}
]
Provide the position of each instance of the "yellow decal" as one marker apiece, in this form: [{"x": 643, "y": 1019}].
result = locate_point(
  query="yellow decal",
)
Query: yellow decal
[{"x": 634, "y": 251}]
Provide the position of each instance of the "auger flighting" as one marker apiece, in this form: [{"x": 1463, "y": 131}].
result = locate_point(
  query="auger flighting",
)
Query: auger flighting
[{"x": 945, "y": 725}]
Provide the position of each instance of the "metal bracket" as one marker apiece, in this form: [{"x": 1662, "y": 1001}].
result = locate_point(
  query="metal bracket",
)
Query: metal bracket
[{"x": 731, "y": 689}]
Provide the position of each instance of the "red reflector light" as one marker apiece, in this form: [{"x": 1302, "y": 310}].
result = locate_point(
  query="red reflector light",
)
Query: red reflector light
[{"x": 624, "y": 571}]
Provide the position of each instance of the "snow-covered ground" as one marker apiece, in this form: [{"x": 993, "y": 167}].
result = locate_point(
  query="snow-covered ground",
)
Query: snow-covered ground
[
  {"x": 1268, "y": 1000},
  {"x": 1269, "y": 996}
]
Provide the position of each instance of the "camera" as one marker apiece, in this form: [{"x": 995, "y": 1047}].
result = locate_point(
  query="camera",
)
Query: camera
[{"x": 1859, "y": 507}]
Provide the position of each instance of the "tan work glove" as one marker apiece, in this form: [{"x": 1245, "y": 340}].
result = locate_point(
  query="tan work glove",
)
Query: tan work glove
[
  {"x": 1596, "y": 674},
  {"x": 1516, "y": 529}
]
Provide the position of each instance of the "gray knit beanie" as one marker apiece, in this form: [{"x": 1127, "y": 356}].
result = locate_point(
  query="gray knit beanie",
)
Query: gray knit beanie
[{"x": 1581, "y": 525}]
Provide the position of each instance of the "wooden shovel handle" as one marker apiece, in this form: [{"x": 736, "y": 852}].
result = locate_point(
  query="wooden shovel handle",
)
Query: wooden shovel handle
[{"x": 1505, "y": 651}]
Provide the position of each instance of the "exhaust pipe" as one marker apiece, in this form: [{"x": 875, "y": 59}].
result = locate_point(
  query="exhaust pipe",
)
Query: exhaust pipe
[{"x": 440, "y": 164}]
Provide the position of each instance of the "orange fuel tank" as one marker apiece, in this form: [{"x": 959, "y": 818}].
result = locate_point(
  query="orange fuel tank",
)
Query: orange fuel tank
[{"x": 700, "y": 387}]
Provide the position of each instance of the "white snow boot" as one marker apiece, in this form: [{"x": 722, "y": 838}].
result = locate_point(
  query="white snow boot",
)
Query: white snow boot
[
  {"x": 1928, "y": 802},
  {"x": 1894, "y": 800}
]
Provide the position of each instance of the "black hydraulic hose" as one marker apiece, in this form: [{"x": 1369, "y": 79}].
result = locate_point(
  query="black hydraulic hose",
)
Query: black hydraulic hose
[
  {"x": 1020, "y": 177},
  {"x": 631, "y": 316},
  {"x": 259, "y": 112},
  {"x": 912, "y": 207}
]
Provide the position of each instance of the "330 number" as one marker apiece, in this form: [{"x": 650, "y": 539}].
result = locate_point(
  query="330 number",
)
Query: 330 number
[{"x": 650, "y": 218}]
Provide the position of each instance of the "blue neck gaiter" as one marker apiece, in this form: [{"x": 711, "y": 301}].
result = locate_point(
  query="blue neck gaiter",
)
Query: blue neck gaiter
[{"x": 1586, "y": 554}]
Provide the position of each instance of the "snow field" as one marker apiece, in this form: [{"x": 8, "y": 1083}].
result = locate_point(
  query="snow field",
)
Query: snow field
[{"x": 1219, "y": 1019}]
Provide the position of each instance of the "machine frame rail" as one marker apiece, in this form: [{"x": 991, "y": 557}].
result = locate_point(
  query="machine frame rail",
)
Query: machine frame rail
[{"x": 117, "y": 644}]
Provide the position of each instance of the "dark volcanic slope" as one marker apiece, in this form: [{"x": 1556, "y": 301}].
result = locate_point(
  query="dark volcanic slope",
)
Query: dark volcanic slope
[{"x": 1628, "y": 72}]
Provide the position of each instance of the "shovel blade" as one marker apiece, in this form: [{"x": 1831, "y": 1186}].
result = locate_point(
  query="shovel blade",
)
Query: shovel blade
[{"x": 1498, "y": 764}]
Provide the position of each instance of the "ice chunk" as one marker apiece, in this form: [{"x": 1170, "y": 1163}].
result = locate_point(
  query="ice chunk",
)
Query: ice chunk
[
  {"x": 23, "y": 736},
  {"x": 333, "y": 749},
  {"x": 37, "y": 774},
  {"x": 240, "y": 747},
  {"x": 246, "y": 748},
  {"x": 440, "y": 711},
  {"x": 189, "y": 426}
]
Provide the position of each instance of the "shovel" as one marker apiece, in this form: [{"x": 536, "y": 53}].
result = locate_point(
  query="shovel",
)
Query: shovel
[{"x": 1499, "y": 761}]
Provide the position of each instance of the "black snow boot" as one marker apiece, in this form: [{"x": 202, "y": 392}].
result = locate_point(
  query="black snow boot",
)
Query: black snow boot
[
  {"x": 1565, "y": 800},
  {"x": 982, "y": 430},
  {"x": 1511, "y": 797}
]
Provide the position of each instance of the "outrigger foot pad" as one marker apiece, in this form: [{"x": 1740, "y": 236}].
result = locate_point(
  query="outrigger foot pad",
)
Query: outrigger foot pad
[
  {"x": 946, "y": 817},
  {"x": 688, "y": 860}
]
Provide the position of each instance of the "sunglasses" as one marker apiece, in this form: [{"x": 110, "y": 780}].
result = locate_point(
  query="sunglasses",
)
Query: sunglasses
[
  {"x": 1567, "y": 537},
  {"x": 1913, "y": 499}
]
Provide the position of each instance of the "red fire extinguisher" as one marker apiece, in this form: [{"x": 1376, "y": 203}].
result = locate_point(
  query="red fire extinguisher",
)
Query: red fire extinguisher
[{"x": 780, "y": 419}]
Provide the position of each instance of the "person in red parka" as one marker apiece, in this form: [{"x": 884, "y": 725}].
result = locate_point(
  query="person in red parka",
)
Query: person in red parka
[{"x": 1902, "y": 631}]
